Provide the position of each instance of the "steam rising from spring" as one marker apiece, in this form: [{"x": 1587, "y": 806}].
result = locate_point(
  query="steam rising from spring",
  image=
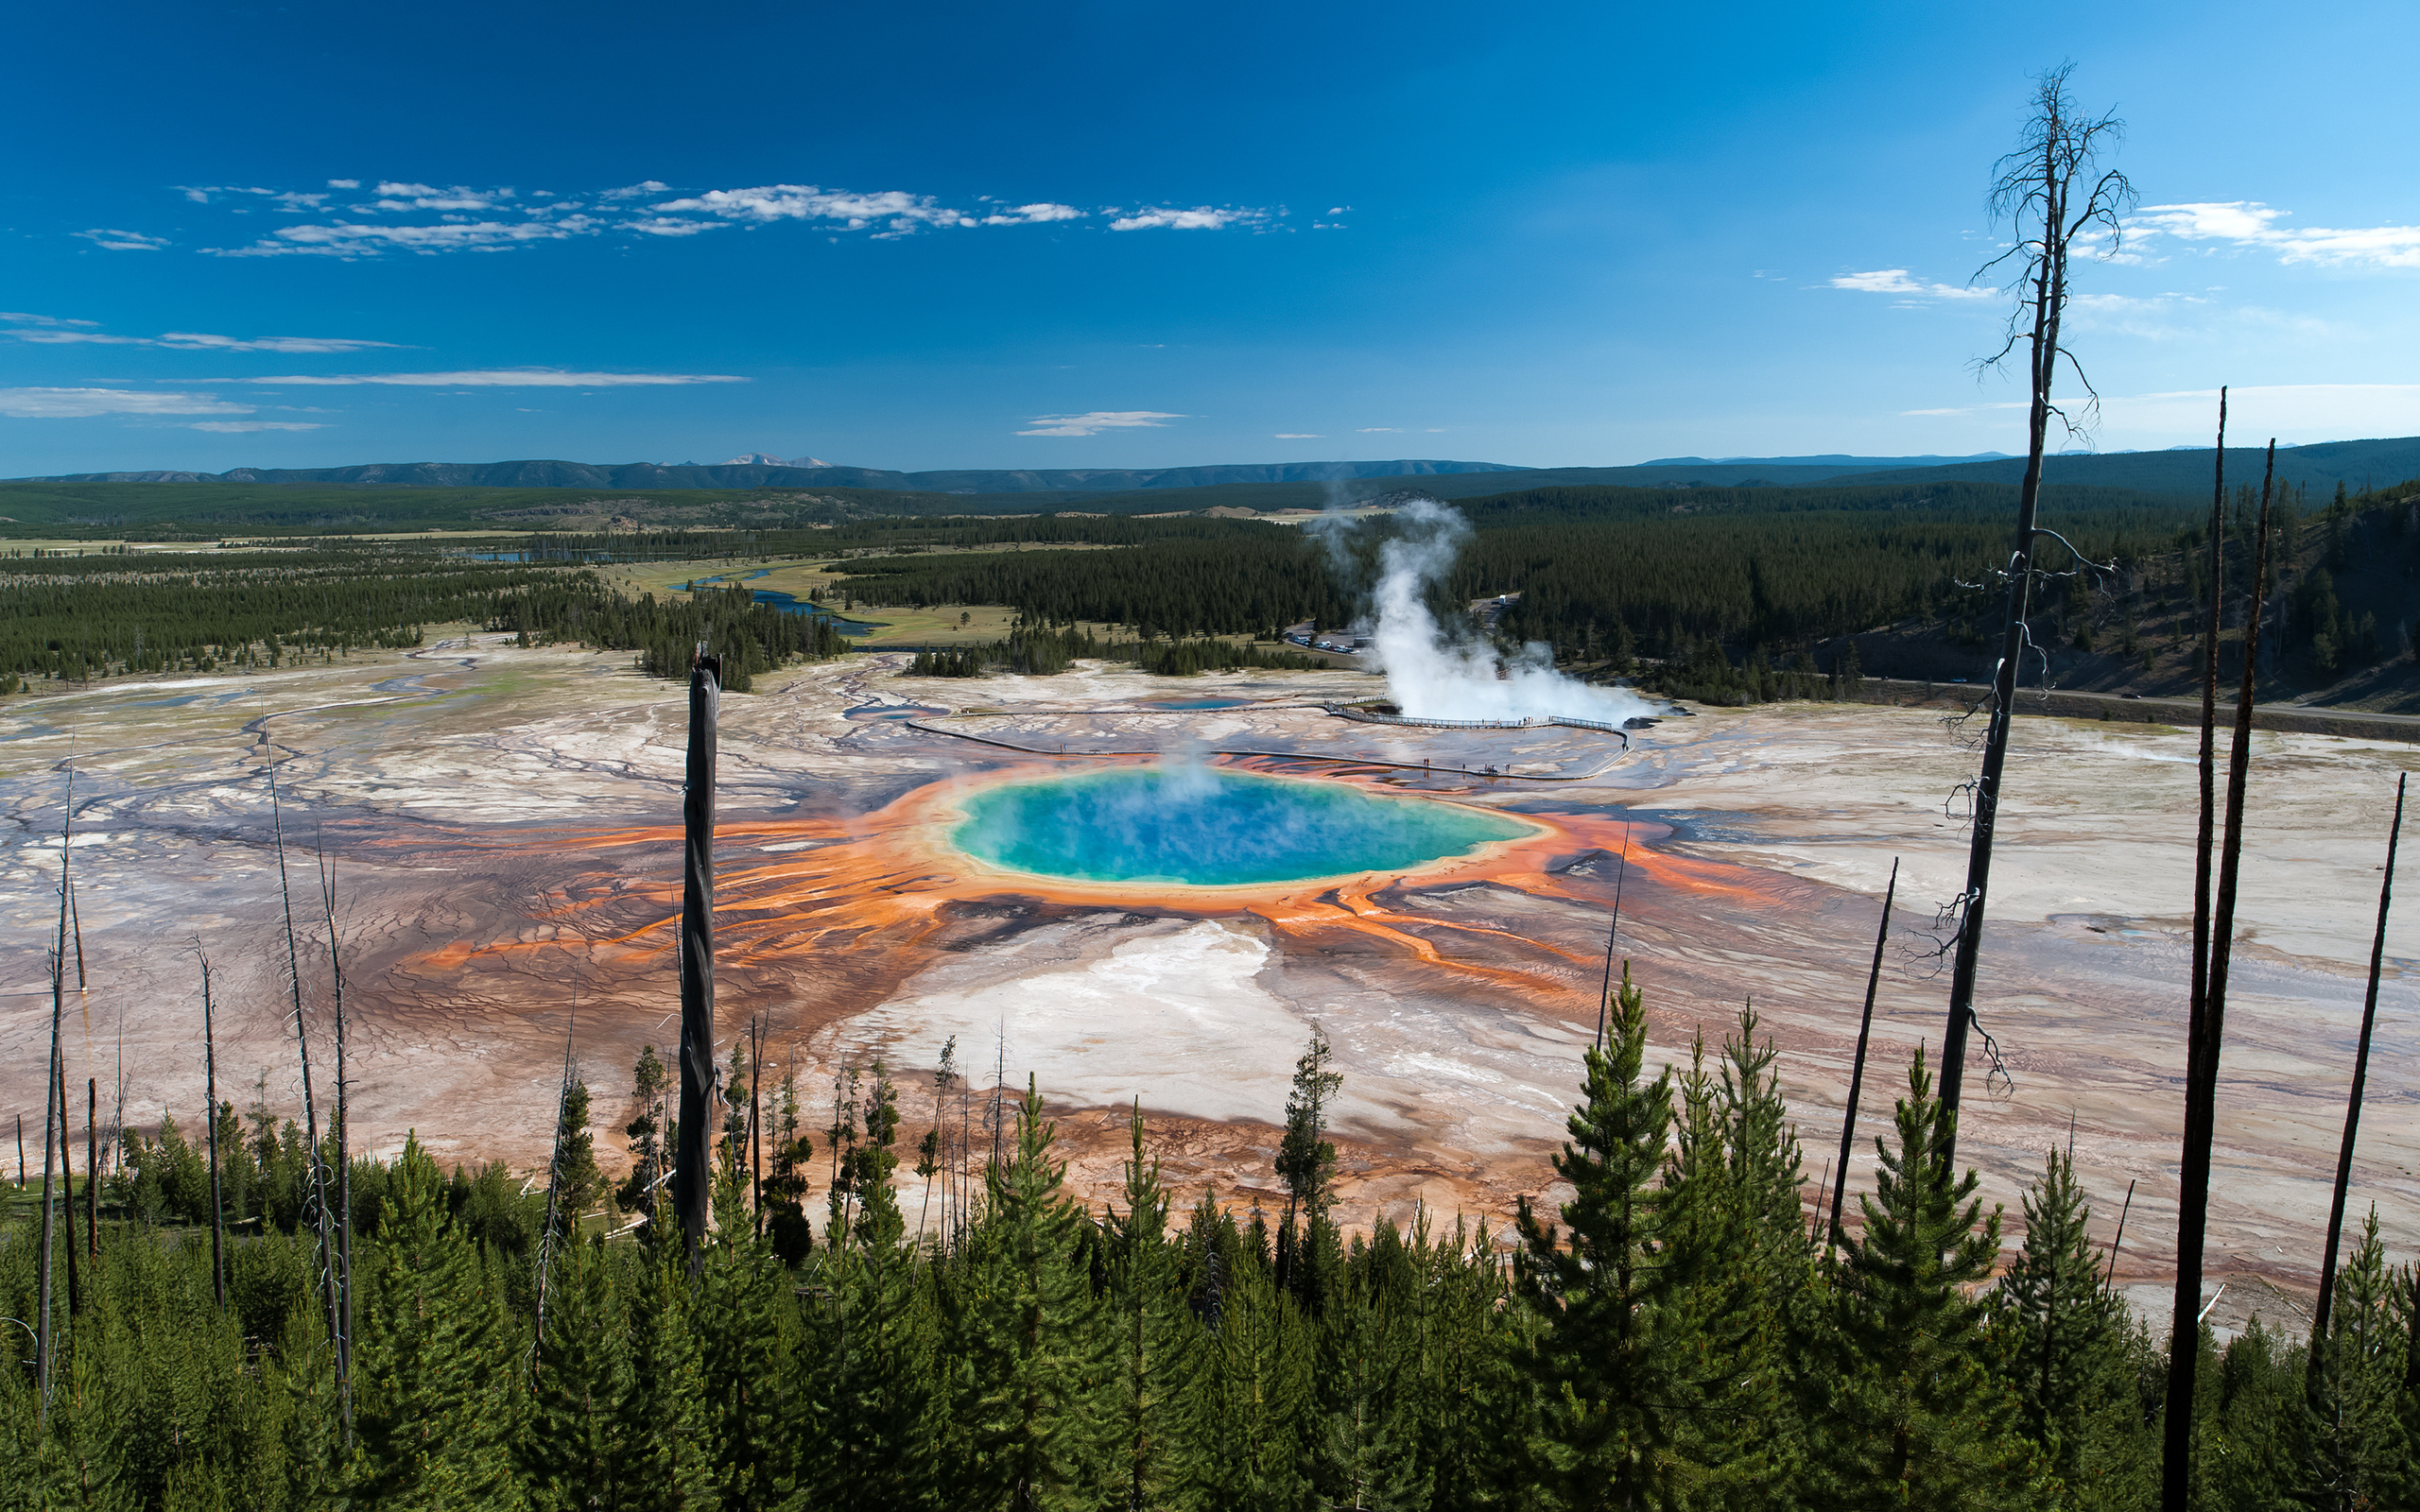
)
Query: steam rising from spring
[{"x": 1436, "y": 672}]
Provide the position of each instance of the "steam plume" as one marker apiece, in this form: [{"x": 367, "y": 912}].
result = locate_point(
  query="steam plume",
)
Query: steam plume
[{"x": 1434, "y": 673}]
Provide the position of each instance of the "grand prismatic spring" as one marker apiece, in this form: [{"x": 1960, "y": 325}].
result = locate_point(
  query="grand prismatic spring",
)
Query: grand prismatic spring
[{"x": 1131, "y": 894}]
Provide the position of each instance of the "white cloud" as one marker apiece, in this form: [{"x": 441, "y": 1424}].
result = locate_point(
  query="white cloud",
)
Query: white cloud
[
  {"x": 232, "y": 427},
  {"x": 58, "y": 338},
  {"x": 1297, "y": 436},
  {"x": 1033, "y": 215},
  {"x": 408, "y": 215},
  {"x": 21, "y": 318},
  {"x": 1098, "y": 421},
  {"x": 1896, "y": 282},
  {"x": 124, "y": 241},
  {"x": 495, "y": 378},
  {"x": 47, "y": 332},
  {"x": 79, "y": 404},
  {"x": 354, "y": 239},
  {"x": 1201, "y": 217},
  {"x": 2247, "y": 223},
  {"x": 1378, "y": 430},
  {"x": 196, "y": 341}
]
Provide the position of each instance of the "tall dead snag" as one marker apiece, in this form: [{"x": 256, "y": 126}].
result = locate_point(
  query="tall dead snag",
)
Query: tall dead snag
[
  {"x": 210, "y": 1084},
  {"x": 555, "y": 1178},
  {"x": 1857, "y": 1070},
  {"x": 690, "y": 1195},
  {"x": 93, "y": 1173},
  {"x": 2319, "y": 1345},
  {"x": 319, "y": 1169},
  {"x": 2205, "y": 1033},
  {"x": 67, "y": 1182},
  {"x": 2034, "y": 191},
  {"x": 342, "y": 1133}
]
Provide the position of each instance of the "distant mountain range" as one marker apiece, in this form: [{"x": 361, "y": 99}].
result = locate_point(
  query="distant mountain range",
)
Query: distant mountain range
[
  {"x": 2183, "y": 471},
  {"x": 763, "y": 472}
]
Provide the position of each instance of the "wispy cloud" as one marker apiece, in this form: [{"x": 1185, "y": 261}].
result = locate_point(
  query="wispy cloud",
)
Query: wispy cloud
[
  {"x": 2249, "y": 224},
  {"x": 82, "y": 403},
  {"x": 1200, "y": 218},
  {"x": 1098, "y": 421},
  {"x": 124, "y": 241},
  {"x": 492, "y": 378},
  {"x": 1896, "y": 282},
  {"x": 46, "y": 331},
  {"x": 1378, "y": 430},
  {"x": 399, "y": 216},
  {"x": 234, "y": 427},
  {"x": 1298, "y": 435}
]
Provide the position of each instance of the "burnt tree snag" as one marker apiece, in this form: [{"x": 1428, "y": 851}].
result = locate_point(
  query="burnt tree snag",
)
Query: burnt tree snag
[
  {"x": 2319, "y": 1345},
  {"x": 2035, "y": 190},
  {"x": 690, "y": 1196},
  {"x": 2205, "y": 1035},
  {"x": 1857, "y": 1069}
]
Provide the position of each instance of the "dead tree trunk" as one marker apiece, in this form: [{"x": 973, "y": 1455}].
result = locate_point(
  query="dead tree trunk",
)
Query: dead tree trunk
[
  {"x": 1613, "y": 933},
  {"x": 344, "y": 1134},
  {"x": 67, "y": 1183},
  {"x": 2035, "y": 190},
  {"x": 93, "y": 1172},
  {"x": 210, "y": 1082},
  {"x": 2205, "y": 1035},
  {"x": 43, "y": 1331},
  {"x": 1857, "y": 1070},
  {"x": 554, "y": 1186},
  {"x": 691, "y": 1197},
  {"x": 2119, "y": 1242},
  {"x": 2319, "y": 1345},
  {"x": 318, "y": 1170}
]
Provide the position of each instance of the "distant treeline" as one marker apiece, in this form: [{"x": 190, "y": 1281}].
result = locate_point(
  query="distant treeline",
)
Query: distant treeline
[
  {"x": 748, "y": 636},
  {"x": 79, "y": 616},
  {"x": 1043, "y": 652}
]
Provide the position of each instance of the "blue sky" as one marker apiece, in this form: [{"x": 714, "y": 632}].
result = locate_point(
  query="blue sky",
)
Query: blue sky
[{"x": 1095, "y": 234}]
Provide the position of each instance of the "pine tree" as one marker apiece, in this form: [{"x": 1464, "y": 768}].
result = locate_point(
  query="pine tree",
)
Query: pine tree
[
  {"x": 868, "y": 1373},
  {"x": 434, "y": 1374},
  {"x": 578, "y": 1182},
  {"x": 1034, "y": 1338},
  {"x": 651, "y": 1151},
  {"x": 666, "y": 1464},
  {"x": 2351, "y": 1441},
  {"x": 1155, "y": 1335},
  {"x": 1254, "y": 1400},
  {"x": 581, "y": 1383},
  {"x": 1606, "y": 1358},
  {"x": 741, "y": 1313},
  {"x": 2064, "y": 1334},
  {"x": 1921, "y": 1416}
]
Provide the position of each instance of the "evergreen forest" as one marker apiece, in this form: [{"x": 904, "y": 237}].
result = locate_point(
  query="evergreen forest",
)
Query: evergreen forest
[{"x": 1675, "y": 1334}]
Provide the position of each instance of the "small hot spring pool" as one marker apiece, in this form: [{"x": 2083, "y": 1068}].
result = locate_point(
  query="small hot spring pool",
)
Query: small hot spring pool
[{"x": 1209, "y": 827}]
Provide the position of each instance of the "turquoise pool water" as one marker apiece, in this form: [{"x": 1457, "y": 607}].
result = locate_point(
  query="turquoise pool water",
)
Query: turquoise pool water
[{"x": 1210, "y": 828}]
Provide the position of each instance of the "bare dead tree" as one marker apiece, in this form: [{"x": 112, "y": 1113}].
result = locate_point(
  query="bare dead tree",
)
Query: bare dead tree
[
  {"x": 210, "y": 1084},
  {"x": 2205, "y": 1034},
  {"x": 43, "y": 1308},
  {"x": 692, "y": 1197},
  {"x": 2049, "y": 191},
  {"x": 1857, "y": 1069},
  {"x": 1612, "y": 932},
  {"x": 2319, "y": 1344},
  {"x": 67, "y": 1182},
  {"x": 343, "y": 1132},
  {"x": 93, "y": 1172},
  {"x": 755, "y": 1144},
  {"x": 318, "y": 1170},
  {"x": 2119, "y": 1242},
  {"x": 555, "y": 1175}
]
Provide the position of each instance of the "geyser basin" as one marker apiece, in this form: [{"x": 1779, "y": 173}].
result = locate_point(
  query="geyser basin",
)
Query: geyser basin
[{"x": 1211, "y": 828}]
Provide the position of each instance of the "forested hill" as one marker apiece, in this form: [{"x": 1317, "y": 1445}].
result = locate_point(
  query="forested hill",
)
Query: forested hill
[
  {"x": 559, "y": 475},
  {"x": 2358, "y": 464}
]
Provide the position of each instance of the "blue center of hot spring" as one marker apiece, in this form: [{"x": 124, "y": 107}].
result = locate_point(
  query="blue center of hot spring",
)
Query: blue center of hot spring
[{"x": 1211, "y": 828}]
